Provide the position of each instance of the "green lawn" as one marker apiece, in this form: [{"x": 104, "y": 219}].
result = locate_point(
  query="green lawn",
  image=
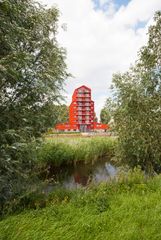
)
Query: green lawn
[{"x": 129, "y": 208}]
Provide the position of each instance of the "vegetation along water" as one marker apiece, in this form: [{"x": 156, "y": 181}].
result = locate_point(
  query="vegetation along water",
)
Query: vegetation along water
[{"x": 124, "y": 208}]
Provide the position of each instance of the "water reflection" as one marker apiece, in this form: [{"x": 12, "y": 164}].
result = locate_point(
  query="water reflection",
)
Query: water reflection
[{"x": 83, "y": 174}]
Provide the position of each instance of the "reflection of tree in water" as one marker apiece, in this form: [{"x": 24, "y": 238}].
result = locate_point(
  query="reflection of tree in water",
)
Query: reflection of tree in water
[
  {"x": 103, "y": 172},
  {"x": 83, "y": 174}
]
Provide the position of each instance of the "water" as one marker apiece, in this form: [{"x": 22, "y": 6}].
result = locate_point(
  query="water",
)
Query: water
[{"x": 82, "y": 175}]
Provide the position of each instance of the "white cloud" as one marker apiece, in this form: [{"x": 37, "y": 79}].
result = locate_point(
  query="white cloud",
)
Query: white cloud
[
  {"x": 108, "y": 6},
  {"x": 103, "y": 2},
  {"x": 100, "y": 43}
]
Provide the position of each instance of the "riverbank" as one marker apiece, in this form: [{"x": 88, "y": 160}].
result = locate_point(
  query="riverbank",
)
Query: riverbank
[
  {"x": 59, "y": 151},
  {"x": 79, "y": 134},
  {"x": 125, "y": 208}
]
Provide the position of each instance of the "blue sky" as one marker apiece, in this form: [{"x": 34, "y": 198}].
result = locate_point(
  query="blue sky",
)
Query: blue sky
[
  {"x": 121, "y": 2},
  {"x": 114, "y": 6},
  {"x": 117, "y": 3}
]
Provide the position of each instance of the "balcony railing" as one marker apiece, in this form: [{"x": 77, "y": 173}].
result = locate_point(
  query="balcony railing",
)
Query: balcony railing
[
  {"x": 84, "y": 105},
  {"x": 81, "y": 103},
  {"x": 83, "y": 92},
  {"x": 83, "y": 114},
  {"x": 83, "y": 95},
  {"x": 83, "y": 99},
  {"x": 83, "y": 122},
  {"x": 83, "y": 108}
]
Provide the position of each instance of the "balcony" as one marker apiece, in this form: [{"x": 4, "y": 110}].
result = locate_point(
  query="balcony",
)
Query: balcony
[
  {"x": 83, "y": 92},
  {"x": 83, "y": 108},
  {"x": 83, "y": 99},
  {"x": 83, "y": 102},
  {"x": 83, "y": 95},
  {"x": 83, "y": 114},
  {"x": 84, "y": 117},
  {"x": 83, "y": 111},
  {"x": 83, "y": 122},
  {"x": 84, "y": 105}
]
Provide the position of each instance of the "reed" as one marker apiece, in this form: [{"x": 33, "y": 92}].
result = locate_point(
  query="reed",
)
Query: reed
[{"x": 60, "y": 151}]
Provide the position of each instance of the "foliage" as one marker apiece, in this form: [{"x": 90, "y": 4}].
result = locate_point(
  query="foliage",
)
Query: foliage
[
  {"x": 32, "y": 64},
  {"x": 116, "y": 210},
  {"x": 17, "y": 169},
  {"x": 137, "y": 106},
  {"x": 95, "y": 117},
  {"x": 61, "y": 113},
  {"x": 105, "y": 116},
  {"x": 55, "y": 114},
  {"x": 32, "y": 71}
]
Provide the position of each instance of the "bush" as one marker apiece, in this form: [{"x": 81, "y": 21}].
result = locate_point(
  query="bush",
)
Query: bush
[{"x": 136, "y": 107}]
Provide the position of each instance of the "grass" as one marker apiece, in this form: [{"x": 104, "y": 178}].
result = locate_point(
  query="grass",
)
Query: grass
[
  {"x": 128, "y": 208},
  {"x": 51, "y": 132},
  {"x": 51, "y": 155},
  {"x": 58, "y": 151}
]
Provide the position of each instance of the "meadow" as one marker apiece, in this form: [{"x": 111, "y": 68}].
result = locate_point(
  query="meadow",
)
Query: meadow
[{"x": 126, "y": 208}]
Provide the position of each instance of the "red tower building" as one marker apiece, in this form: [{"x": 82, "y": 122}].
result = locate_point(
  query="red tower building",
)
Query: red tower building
[{"x": 81, "y": 113}]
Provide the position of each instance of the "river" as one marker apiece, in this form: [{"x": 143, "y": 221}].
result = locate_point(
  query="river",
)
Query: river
[{"x": 81, "y": 175}]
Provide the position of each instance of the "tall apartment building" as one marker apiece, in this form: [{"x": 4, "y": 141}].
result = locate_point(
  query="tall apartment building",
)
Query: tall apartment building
[
  {"x": 81, "y": 110},
  {"x": 81, "y": 113}
]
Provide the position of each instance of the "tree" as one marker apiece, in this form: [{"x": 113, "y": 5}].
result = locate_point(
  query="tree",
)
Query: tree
[
  {"x": 137, "y": 106},
  {"x": 32, "y": 72},
  {"x": 105, "y": 115},
  {"x": 61, "y": 114},
  {"x": 95, "y": 117}
]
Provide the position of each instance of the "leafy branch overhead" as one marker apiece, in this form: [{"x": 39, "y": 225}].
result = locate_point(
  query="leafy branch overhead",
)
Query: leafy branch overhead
[{"x": 32, "y": 66}]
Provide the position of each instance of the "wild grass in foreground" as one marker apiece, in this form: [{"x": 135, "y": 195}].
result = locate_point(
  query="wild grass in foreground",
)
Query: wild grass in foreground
[
  {"x": 127, "y": 208},
  {"x": 69, "y": 151}
]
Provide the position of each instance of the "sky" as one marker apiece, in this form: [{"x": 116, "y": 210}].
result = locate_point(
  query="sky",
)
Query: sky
[{"x": 101, "y": 37}]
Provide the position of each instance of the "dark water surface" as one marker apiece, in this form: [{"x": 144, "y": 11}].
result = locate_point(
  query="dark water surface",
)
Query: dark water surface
[{"x": 81, "y": 175}]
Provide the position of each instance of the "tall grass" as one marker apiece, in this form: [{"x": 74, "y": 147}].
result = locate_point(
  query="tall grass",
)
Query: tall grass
[
  {"x": 126, "y": 208},
  {"x": 70, "y": 151}
]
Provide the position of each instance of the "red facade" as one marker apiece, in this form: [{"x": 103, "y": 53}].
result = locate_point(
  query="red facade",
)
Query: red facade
[{"x": 81, "y": 113}]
